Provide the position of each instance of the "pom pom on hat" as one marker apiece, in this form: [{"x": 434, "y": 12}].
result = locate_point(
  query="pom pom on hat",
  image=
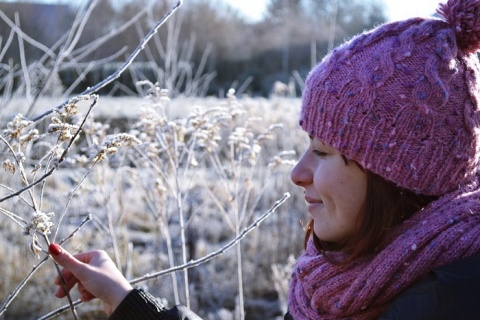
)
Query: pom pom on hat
[
  {"x": 403, "y": 100},
  {"x": 464, "y": 17}
]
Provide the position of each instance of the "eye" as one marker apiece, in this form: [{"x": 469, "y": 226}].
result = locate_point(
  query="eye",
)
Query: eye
[{"x": 319, "y": 153}]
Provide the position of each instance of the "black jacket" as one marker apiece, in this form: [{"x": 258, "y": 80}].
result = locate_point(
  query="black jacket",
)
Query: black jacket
[
  {"x": 448, "y": 292},
  {"x": 141, "y": 305}
]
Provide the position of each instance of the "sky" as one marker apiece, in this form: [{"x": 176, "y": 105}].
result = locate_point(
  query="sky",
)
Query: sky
[{"x": 396, "y": 10}]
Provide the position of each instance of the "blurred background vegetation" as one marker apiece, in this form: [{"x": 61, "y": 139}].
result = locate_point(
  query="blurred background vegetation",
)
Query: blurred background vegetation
[{"x": 212, "y": 37}]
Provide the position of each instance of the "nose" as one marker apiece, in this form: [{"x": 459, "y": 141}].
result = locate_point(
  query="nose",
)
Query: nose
[{"x": 301, "y": 174}]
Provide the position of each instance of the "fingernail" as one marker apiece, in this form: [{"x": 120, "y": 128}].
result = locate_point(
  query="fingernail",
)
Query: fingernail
[
  {"x": 54, "y": 249},
  {"x": 84, "y": 296}
]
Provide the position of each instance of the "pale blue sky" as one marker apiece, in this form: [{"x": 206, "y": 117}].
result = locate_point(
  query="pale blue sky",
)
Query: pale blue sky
[
  {"x": 396, "y": 9},
  {"x": 253, "y": 9}
]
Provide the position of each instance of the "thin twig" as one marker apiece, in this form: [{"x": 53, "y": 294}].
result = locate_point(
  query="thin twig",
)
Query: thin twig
[
  {"x": 123, "y": 67},
  {"x": 24, "y": 36},
  {"x": 15, "y": 218},
  {"x": 63, "y": 282},
  {"x": 62, "y": 157},
  {"x": 87, "y": 219},
  {"x": 21, "y": 169},
  {"x": 72, "y": 193},
  {"x": 194, "y": 263},
  {"x": 15, "y": 292},
  {"x": 60, "y": 310},
  {"x": 20, "y": 286}
]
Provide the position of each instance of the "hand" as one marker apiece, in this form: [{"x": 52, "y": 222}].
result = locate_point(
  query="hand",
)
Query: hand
[{"x": 96, "y": 275}]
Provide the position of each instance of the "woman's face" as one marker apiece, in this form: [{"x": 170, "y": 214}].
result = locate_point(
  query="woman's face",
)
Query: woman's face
[{"x": 335, "y": 191}]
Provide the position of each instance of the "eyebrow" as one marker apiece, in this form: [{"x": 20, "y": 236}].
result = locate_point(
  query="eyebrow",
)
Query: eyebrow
[{"x": 319, "y": 141}]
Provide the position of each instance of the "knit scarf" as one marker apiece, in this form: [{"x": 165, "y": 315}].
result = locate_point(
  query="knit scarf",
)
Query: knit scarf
[{"x": 445, "y": 231}]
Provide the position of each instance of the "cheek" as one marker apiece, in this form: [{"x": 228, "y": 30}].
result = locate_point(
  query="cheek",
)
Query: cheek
[
  {"x": 343, "y": 191},
  {"x": 354, "y": 196},
  {"x": 325, "y": 182}
]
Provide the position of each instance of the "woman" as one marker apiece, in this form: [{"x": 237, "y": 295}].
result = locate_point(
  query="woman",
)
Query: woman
[{"x": 390, "y": 179}]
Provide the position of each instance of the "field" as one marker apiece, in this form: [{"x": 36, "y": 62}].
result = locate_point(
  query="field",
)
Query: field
[{"x": 157, "y": 183}]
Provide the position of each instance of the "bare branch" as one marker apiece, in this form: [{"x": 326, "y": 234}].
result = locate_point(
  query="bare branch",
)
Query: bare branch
[
  {"x": 63, "y": 282},
  {"x": 62, "y": 157},
  {"x": 62, "y": 215},
  {"x": 87, "y": 219},
  {"x": 194, "y": 263},
  {"x": 124, "y": 66},
  {"x": 19, "y": 287},
  {"x": 24, "y": 36}
]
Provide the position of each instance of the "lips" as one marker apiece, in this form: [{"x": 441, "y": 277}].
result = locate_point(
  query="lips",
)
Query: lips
[
  {"x": 312, "y": 204},
  {"x": 312, "y": 200}
]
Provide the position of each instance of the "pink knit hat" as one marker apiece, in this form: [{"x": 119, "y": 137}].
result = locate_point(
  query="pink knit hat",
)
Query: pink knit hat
[{"x": 403, "y": 99}]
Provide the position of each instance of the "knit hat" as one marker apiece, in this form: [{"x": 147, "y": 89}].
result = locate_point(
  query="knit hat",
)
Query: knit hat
[{"x": 403, "y": 99}]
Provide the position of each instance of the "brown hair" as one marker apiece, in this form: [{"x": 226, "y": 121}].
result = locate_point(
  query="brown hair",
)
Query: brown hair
[{"x": 386, "y": 205}]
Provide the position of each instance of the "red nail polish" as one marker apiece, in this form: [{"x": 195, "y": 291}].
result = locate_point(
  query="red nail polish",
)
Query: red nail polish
[{"x": 54, "y": 249}]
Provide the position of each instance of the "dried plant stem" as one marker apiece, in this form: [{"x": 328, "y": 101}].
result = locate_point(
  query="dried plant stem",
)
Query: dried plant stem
[
  {"x": 15, "y": 218},
  {"x": 162, "y": 226},
  {"x": 123, "y": 67},
  {"x": 62, "y": 215},
  {"x": 24, "y": 36},
  {"x": 60, "y": 310},
  {"x": 64, "y": 286},
  {"x": 19, "y": 287},
  {"x": 63, "y": 282},
  {"x": 23, "y": 60},
  {"x": 20, "y": 165},
  {"x": 178, "y": 196},
  {"x": 20, "y": 197},
  {"x": 192, "y": 263},
  {"x": 62, "y": 157},
  {"x": 171, "y": 260},
  {"x": 87, "y": 219},
  {"x": 15, "y": 292}
]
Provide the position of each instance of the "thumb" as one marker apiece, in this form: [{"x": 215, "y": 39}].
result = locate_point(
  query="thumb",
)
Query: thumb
[{"x": 65, "y": 259}]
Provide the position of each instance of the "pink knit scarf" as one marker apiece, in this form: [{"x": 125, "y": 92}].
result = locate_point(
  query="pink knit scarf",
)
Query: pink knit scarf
[{"x": 446, "y": 231}]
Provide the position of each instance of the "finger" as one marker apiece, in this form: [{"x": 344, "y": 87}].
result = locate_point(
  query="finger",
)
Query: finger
[
  {"x": 66, "y": 275},
  {"x": 65, "y": 286},
  {"x": 70, "y": 263},
  {"x": 84, "y": 293}
]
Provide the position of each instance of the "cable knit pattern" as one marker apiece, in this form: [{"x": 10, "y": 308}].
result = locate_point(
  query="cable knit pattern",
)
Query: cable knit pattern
[
  {"x": 402, "y": 100},
  {"x": 446, "y": 231}
]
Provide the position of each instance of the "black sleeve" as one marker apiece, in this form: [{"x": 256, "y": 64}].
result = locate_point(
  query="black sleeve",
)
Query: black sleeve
[
  {"x": 141, "y": 305},
  {"x": 449, "y": 292},
  {"x": 287, "y": 316}
]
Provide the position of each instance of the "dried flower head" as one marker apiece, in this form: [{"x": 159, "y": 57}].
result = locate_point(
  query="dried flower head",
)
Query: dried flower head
[
  {"x": 66, "y": 130},
  {"x": 35, "y": 246},
  {"x": 31, "y": 135},
  {"x": 160, "y": 97},
  {"x": 279, "y": 160},
  {"x": 40, "y": 223},
  {"x": 68, "y": 110},
  {"x": 9, "y": 166},
  {"x": 20, "y": 156},
  {"x": 16, "y": 126},
  {"x": 110, "y": 146}
]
